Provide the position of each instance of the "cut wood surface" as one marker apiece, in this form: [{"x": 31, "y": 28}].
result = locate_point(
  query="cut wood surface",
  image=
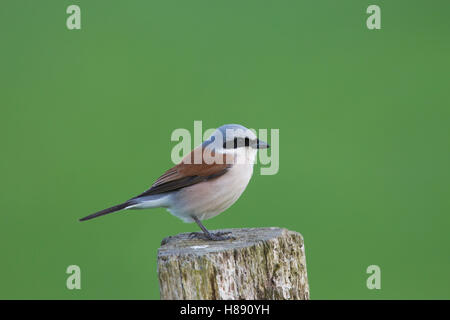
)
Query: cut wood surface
[{"x": 261, "y": 263}]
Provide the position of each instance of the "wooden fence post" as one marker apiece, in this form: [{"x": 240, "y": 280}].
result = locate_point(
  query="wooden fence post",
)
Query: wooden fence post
[{"x": 261, "y": 263}]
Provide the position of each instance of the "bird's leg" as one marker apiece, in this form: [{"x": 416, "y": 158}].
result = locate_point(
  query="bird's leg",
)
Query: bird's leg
[{"x": 208, "y": 235}]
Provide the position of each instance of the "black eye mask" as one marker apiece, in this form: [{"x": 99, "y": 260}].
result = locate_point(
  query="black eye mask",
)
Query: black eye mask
[{"x": 240, "y": 142}]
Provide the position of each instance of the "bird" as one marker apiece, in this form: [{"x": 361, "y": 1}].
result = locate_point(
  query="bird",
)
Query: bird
[{"x": 205, "y": 183}]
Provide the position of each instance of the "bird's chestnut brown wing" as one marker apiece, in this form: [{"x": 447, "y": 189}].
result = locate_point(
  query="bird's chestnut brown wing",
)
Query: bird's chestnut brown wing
[{"x": 186, "y": 174}]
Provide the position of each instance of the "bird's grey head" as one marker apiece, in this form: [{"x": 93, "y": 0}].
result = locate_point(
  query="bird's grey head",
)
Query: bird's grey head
[{"x": 233, "y": 138}]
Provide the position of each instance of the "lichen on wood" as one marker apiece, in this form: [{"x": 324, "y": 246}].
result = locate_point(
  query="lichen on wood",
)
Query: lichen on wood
[{"x": 260, "y": 263}]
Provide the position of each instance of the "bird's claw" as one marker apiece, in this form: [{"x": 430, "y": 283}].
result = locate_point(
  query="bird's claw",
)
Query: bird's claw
[{"x": 218, "y": 236}]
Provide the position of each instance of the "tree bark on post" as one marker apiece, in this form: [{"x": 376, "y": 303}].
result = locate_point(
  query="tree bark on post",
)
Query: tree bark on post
[{"x": 261, "y": 263}]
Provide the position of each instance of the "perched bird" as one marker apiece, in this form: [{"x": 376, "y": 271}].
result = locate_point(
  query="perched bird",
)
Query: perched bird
[{"x": 205, "y": 183}]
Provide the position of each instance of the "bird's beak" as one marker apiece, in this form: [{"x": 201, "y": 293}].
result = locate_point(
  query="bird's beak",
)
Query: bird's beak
[{"x": 262, "y": 145}]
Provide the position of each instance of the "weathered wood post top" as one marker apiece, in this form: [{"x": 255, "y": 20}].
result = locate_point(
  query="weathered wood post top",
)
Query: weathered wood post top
[{"x": 260, "y": 263}]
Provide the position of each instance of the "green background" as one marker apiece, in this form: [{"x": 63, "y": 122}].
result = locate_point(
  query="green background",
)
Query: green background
[{"x": 86, "y": 119}]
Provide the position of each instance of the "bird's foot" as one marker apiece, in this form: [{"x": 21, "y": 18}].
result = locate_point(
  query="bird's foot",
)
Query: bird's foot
[{"x": 218, "y": 236}]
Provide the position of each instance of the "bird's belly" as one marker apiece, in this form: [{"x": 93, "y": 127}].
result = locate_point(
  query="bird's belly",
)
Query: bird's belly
[{"x": 208, "y": 199}]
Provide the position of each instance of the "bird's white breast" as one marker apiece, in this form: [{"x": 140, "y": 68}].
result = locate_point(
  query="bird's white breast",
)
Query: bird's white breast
[{"x": 208, "y": 199}]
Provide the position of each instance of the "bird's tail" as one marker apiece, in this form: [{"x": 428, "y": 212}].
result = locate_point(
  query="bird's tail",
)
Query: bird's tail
[{"x": 106, "y": 211}]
